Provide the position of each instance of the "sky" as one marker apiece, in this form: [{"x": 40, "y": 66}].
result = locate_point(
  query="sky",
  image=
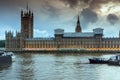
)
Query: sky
[{"x": 52, "y": 14}]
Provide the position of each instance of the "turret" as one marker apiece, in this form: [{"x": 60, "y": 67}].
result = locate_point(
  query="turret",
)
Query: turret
[
  {"x": 58, "y": 33},
  {"x": 21, "y": 12},
  {"x": 98, "y": 32},
  {"x": 9, "y": 37},
  {"x": 58, "y": 36},
  {"x": 9, "y": 34}
]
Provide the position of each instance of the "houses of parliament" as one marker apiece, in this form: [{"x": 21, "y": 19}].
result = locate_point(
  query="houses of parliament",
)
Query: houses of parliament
[{"x": 78, "y": 40}]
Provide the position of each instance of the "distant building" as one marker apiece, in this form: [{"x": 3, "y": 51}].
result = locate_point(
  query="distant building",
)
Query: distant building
[{"x": 78, "y": 40}]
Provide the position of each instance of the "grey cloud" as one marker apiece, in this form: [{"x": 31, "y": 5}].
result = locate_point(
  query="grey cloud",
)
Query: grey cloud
[
  {"x": 71, "y": 3},
  {"x": 112, "y": 18},
  {"x": 12, "y": 3},
  {"x": 90, "y": 9},
  {"x": 89, "y": 15},
  {"x": 92, "y": 4}
]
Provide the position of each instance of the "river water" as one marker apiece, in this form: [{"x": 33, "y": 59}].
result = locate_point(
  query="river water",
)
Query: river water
[{"x": 57, "y": 67}]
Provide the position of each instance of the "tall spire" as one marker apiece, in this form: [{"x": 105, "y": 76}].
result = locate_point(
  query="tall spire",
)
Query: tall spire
[
  {"x": 27, "y": 8},
  {"x": 29, "y": 12},
  {"x": 78, "y": 21},
  {"x": 78, "y": 27}
]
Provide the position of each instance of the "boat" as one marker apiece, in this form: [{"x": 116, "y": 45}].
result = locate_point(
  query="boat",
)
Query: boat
[
  {"x": 115, "y": 60},
  {"x": 5, "y": 58},
  {"x": 11, "y": 54},
  {"x": 98, "y": 61}
]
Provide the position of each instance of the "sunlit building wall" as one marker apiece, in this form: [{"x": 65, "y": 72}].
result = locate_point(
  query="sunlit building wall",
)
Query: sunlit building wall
[{"x": 78, "y": 40}]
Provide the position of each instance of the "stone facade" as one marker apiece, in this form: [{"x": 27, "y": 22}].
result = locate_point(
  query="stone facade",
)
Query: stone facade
[{"x": 78, "y": 40}]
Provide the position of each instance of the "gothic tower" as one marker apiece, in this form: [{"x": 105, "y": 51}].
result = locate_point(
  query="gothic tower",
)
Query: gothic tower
[
  {"x": 27, "y": 23},
  {"x": 78, "y": 27}
]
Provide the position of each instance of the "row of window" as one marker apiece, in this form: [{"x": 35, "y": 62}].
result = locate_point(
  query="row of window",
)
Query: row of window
[
  {"x": 66, "y": 43},
  {"x": 59, "y": 45}
]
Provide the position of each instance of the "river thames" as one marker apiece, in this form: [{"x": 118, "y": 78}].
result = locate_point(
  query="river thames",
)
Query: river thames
[{"x": 57, "y": 67}]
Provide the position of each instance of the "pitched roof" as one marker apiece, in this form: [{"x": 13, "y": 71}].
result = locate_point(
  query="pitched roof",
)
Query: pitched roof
[{"x": 79, "y": 34}]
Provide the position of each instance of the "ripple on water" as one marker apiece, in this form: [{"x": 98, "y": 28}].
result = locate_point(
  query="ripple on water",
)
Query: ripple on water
[{"x": 52, "y": 67}]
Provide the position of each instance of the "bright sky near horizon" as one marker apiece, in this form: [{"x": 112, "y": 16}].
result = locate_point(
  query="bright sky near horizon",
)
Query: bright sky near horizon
[{"x": 52, "y": 14}]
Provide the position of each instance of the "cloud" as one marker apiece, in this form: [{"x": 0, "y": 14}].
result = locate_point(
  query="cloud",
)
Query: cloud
[
  {"x": 88, "y": 16},
  {"x": 71, "y": 3},
  {"x": 51, "y": 14},
  {"x": 12, "y": 4},
  {"x": 91, "y": 4},
  {"x": 5, "y": 28},
  {"x": 112, "y": 18},
  {"x": 40, "y": 33}
]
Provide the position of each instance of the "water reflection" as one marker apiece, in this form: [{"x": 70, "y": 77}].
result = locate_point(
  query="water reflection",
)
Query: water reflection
[
  {"x": 26, "y": 67},
  {"x": 4, "y": 67},
  {"x": 57, "y": 67}
]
